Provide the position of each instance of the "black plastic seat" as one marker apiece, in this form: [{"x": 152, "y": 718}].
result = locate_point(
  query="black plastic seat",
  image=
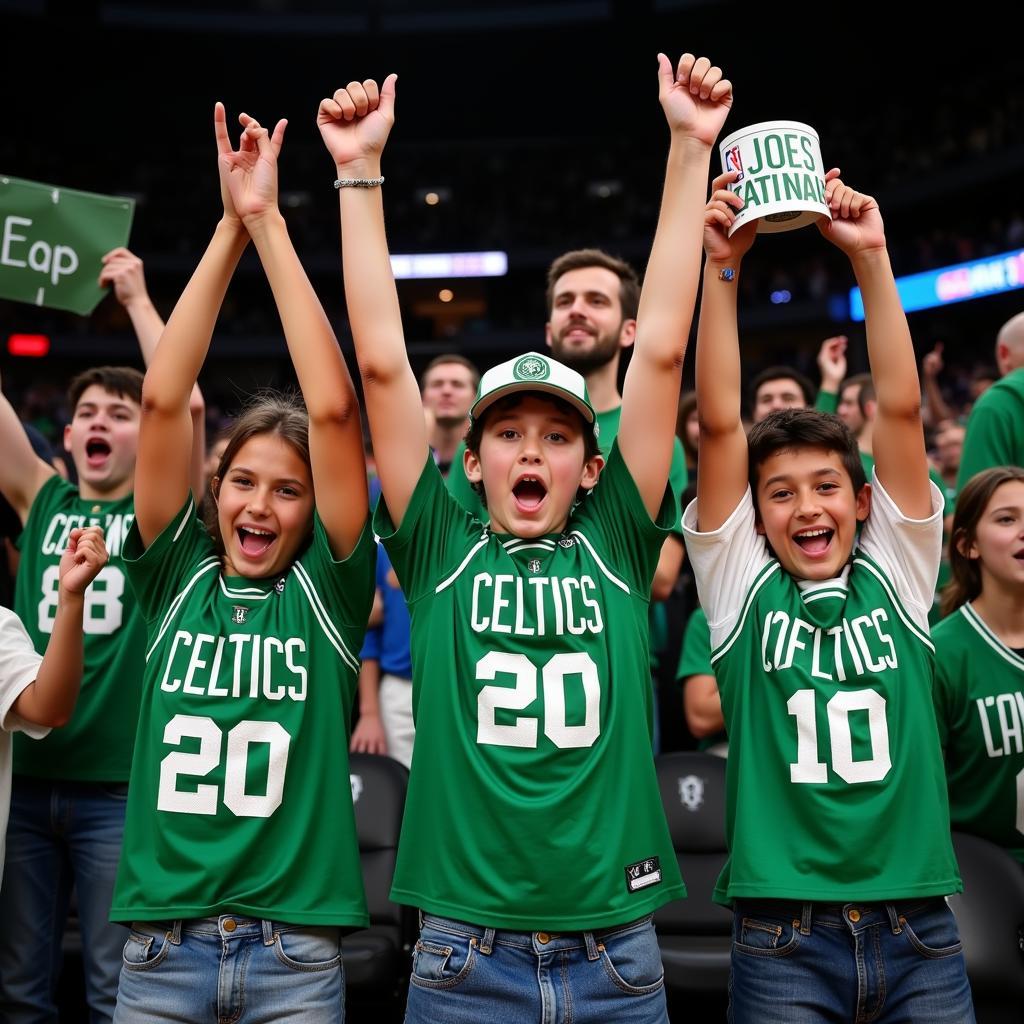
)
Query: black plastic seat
[
  {"x": 376, "y": 958},
  {"x": 990, "y": 915},
  {"x": 695, "y": 934}
]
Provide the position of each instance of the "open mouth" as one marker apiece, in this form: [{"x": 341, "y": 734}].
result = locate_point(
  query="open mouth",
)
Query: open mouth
[
  {"x": 815, "y": 542},
  {"x": 97, "y": 451},
  {"x": 529, "y": 493},
  {"x": 254, "y": 541}
]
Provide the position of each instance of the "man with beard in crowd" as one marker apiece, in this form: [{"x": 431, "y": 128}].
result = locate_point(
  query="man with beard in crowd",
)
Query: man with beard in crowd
[{"x": 592, "y": 300}]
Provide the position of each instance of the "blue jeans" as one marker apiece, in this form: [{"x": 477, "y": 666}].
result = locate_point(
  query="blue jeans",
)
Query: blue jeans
[
  {"x": 231, "y": 968},
  {"x": 60, "y": 834},
  {"x": 465, "y": 974},
  {"x": 798, "y": 963}
]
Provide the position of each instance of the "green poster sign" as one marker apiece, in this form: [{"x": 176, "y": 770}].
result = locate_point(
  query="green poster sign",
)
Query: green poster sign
[{"x": 52, "y": 240}]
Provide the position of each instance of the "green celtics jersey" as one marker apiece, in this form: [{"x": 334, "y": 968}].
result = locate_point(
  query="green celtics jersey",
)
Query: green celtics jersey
[
  {"x": 240, "y": 798},
  {"x": 935, "y": 612},
  {"x": 995, "y": 430},
  {"x": 835, "y": 783},
  {"x": 533, "y": 801},
  {"x": 96, "y": 745},
  {"x": 979, "y": 704},
  {"x": 607, "y": 426}
]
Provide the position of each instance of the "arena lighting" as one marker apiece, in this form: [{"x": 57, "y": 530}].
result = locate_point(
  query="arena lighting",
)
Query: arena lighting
[
  {"x": 956, "y": 283},
  {"x": 449, "y": 264},
  {"x": 36, "y": 345}
]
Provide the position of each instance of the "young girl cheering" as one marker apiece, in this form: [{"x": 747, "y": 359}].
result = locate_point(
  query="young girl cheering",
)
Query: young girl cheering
[
  {"x": 240, "y": 867},
  {"x": 979, "y": 656}
]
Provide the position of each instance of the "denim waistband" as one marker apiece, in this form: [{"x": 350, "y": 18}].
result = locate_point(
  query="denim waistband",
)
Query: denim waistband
[
  {"x": 540, "y": 942},
  {"x": 225, "y": 926},
  {"x": 855, "y": 914}
]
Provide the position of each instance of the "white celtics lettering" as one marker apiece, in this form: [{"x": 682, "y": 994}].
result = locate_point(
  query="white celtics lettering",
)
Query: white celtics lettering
[
  {"x": 254, "y": 666},
  {"x": 1001, "y": 716},
  {"x": 535, "y": 606},
  {"x": 104, "y": 612},
  {"x": 857, "y": 646},
  {"x": 115, "y": 530}
]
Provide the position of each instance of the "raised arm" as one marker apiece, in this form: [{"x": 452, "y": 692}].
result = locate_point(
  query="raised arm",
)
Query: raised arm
[
  {"x": 335, "y": 432},
  {"x": 935, "y": 409},
  {"x": 355, "y": 124},
  {"x": 50, "y": 699},
  {"x": 124, "y": 271},
  {"x": 163, "y": 469},
  {"x": 722, "y": 463},
  {"x": 696, "y": 99},
  {"x": 901, "y": 463},
  {"x": 832, "y": 367},
  {"x": 22, "y": 472}
]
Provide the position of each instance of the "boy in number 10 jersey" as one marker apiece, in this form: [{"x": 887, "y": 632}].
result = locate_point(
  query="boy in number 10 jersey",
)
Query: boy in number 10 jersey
[
  {"x": 837, "y": 817},
  {"x": 534, "y": 837}
]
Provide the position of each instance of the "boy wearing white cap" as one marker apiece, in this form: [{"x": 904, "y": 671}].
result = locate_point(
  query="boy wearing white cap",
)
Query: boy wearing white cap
[{"x": 534, "y": 841}]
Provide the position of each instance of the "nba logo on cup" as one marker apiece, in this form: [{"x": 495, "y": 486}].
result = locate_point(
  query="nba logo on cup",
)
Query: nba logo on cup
[
  {"x": 733, "y": 161},
  {"x": 781, "y": 175}
]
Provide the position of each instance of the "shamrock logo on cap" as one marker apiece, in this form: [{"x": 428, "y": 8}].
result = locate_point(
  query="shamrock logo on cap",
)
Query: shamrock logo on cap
[{"x": 531, "y": 368}]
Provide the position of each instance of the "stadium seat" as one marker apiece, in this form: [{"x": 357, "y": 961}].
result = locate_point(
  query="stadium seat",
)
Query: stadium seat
[
  {"x": 376, "y": 959},
  {"x": 695, "y": 934},
  {"x": 990, "y": 914}
]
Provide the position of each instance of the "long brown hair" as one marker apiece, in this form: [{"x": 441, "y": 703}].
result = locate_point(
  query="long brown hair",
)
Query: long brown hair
[
  {"x": 270, "y": 412},
  {"x": 971, "y": 502}
]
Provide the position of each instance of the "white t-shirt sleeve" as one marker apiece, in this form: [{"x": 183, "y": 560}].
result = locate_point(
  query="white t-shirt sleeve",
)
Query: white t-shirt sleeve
[
  {"x": 725, "y": 564},
  {"x": 908, "y": 551},
  {"x": 19, "y": 666}
]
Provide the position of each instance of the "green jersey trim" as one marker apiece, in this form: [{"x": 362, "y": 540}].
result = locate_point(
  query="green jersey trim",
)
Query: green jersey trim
[
  {"x": 249, "y": 593},
  {"x": 204, "y": 567},
  {"x": 540, "y": 544},
  {"x": 821, "y": 595},
  {"x": 836, "y": 587},
  {"x": 759, "y": 581},
  {"x": 590, "y": 547},
  {"x": 986, "y": 634},
  {"x": 444, "y": 584},
  {"x": 868, "y": 564},
  {"x": 186, "y": 517},
  {"x": 323, "y": 617}
]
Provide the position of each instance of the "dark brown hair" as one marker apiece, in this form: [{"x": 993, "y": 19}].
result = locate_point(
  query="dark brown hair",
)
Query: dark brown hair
[
  {"x": 782, "y": 373},
  {"x": 577, "y": 259},
  {"x": 790, "y": 429},
  {"x": 476, "y": 428},
  {"x": 123, "y": 381},
  {"x": 444, "y": 360},
  {"x": 971, "y": 502},
  {"x": 270, "y": 412}
]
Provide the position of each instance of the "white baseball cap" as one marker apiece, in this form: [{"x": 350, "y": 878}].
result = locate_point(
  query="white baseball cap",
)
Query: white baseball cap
[{"x": 533, "y": 372}]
